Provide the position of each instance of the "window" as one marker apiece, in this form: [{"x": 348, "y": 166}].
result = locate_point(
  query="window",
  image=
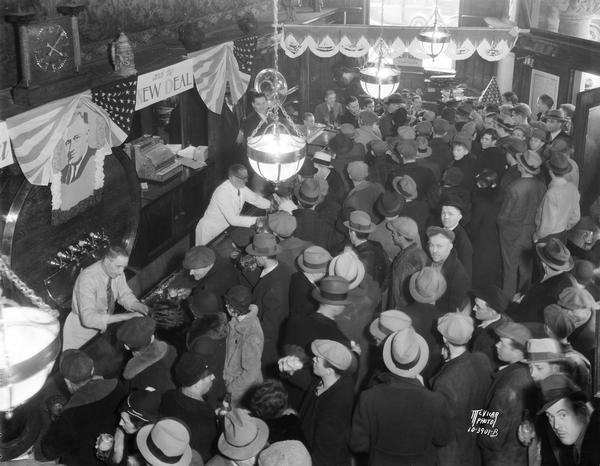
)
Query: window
[
  {"x": 412, "y": 12},
  {"x": 417, "y": 13}
]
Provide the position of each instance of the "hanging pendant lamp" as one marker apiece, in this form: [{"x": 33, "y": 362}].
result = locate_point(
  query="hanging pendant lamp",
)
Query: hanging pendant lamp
[
  {"x": 276, "y": 149},
  {"x": 434, "y": 38}
]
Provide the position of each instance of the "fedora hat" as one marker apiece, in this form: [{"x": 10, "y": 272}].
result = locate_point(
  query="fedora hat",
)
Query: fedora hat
[
  {"x": 389, "y": 322},
  {"x": 559, "y": 163},
  {"x": 558, "y": 320},
  {"x": 332, "y": 290},
  {"x": 263, "y": 244},
  {"x": 543, "y": 350},
  {"x": 423, "y": 149},
  {"x": 555, "y": 254},
  {"x": 340, "y": 144},
  {"x": 390, "y": 204},
  {"x": 427, "y": 285},
  {"x": 360, "y": 222},
  {"x": 405, "y": 353},
  {"x": 493, "y": 296},
  {"x": 424, "y": 128},
  {"x": 243, "y": 436},
  {"x": 556, "y": 387},
  {"x": 405, "y": 186},
  {"x": 530, "y": 160},
  {"x": 166, "y": 443},
  {"x": 314, "y": 259},
  {"x": 309, "y": 192},
  {"x": 348, "y": 266},
  {"x": 308, "y": 169},
  {"x": 285, "y": 453},
  {"x": 555, "y": 114},
  {"x": 407, "y": 149},
  {"x": 518, "y": 333}
]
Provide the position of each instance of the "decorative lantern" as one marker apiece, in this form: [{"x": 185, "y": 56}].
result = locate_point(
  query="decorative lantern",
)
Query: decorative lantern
[
  {"x": 434, "y": 37},
  {"x": 276, "y": 149}
]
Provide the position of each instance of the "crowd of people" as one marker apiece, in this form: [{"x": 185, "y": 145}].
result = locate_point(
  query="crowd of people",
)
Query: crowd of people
[{"x": 423, "y": 292}]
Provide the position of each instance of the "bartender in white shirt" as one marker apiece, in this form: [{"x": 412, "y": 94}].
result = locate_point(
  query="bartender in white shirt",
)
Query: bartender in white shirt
[{"x": 226, "y": 204}]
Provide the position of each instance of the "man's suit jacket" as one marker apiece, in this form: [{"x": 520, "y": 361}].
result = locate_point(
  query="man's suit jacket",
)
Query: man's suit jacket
[
  {"x": 301, "y": 301},
  {"x": 457, "y": 284},
  {"x": 322, "y": 113},
  {"x": 271, "y": 296}
]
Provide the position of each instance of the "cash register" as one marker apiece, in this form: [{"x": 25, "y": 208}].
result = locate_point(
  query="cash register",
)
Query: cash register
[{"x": 153, "y": 160}]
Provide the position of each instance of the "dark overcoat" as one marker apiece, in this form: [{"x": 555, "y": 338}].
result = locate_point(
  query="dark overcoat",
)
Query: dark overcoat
[
  {"x": 400, "y": 423},
  {"x": 464, "y": 382}
]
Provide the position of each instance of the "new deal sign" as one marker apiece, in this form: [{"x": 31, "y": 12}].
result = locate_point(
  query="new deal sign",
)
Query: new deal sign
[{"x": 164, "y": 83}]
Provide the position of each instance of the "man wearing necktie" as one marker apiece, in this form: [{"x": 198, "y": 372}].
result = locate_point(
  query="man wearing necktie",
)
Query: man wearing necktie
[
  {"x": 97, "y": 289},
  {"x": 328, "y": 112}
]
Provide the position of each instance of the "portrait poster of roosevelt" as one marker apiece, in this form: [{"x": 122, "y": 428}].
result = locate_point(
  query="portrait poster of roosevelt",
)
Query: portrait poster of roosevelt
[{"x": 79, "y": 163}]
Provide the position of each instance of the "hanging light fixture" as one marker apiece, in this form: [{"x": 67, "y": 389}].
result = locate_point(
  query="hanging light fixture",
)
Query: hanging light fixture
[
  {"x": 29, "y": 344},
  {"x": 380, "y": 78},
  {"x": 434, "y": 37},
  {"x": 276, "y": 149}
]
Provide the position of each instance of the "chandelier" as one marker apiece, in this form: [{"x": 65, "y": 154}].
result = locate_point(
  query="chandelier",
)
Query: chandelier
[
  {"x": 380, "y": 78},
  {"x": 434, "y": 37},
  {"x": 276, "y": 149}
]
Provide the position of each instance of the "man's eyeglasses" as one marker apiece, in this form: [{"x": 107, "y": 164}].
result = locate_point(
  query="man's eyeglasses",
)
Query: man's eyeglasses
[{"x": 244, "y": 179}]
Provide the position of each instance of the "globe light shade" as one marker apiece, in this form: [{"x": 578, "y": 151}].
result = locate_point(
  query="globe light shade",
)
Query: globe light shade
[
  {"x": 276, "y": 155},
  {"x": 434, "y": 40},
  {"x": 29, "y": 344},
  {"x": 379, "y": 81}
]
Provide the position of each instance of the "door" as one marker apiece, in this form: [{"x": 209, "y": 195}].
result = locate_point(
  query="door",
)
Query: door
[
  {"x": 586, "y": 134},
  {"x": 542, "y": 83}
]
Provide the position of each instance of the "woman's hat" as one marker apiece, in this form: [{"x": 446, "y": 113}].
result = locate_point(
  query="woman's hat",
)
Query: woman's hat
[
  {"x": 405, "y": 353},
  {"x": 263, "y": 244},
  {"x": 360, "y": 222},
  {"x": 243, "y": 436},
  {"x": 390, "y": 204},
  {"x": 427, "y": 285},
  {"x": 166, "y": 443},
  {"x": 309, "y": 192},
  {"x": 348, "y": 266},
  {"x": 389, "y": 322},
  {"x": 314, "y": 259},
  {"x": 332, "y": 290},
  {"x": 555, "y": 254}
]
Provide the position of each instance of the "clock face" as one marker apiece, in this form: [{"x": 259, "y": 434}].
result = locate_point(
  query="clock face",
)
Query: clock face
[{"x": 51, "y": 48}]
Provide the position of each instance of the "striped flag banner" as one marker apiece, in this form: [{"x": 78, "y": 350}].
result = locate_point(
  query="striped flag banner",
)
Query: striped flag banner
[
  {"x": 214, "y": 67},
  {"x": 38, "y": 135}
]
